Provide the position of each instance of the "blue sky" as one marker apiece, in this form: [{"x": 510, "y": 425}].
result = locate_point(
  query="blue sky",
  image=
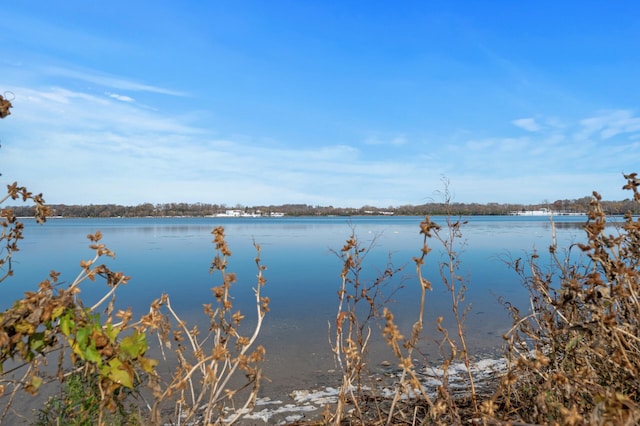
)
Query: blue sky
[{"x": 343, "y": 103}]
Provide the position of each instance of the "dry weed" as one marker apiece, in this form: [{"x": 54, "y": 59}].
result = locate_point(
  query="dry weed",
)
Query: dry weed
[{"x": 575, "y": 358}]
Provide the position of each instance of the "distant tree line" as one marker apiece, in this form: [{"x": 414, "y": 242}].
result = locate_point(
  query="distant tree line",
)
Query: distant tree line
[{"x": 580, "y": 205}]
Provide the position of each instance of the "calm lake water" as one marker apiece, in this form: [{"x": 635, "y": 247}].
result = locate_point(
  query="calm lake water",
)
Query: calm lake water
[{"x": 173, "y": 255}]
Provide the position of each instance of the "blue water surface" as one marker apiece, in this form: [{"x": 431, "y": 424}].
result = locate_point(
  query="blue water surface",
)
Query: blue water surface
[{"x": 173, "y": 255}]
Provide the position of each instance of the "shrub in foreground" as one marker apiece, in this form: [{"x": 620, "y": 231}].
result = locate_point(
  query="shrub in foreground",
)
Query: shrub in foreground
[{"x": 575, "y": 358}]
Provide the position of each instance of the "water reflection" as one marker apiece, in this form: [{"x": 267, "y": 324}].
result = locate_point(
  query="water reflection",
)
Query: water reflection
[{"x": 568, "y": 225}]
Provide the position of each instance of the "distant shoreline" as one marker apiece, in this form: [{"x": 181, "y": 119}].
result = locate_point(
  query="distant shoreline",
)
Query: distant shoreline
[
  {"x": 578, "y": 207},
  {"x": 285, "y": 217}
]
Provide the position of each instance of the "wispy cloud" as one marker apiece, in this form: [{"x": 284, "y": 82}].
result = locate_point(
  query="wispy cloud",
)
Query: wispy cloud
[
  {"x": 100, "y": 146},
  {"x": 122, "y": 98},
  {"x": 72, "y": 110},
  {"x": 528, "y": 124},
  {"x": 114, "y": 151},
  {"x": 609, "y": 124},
  {"x": 109, "y": 81}
]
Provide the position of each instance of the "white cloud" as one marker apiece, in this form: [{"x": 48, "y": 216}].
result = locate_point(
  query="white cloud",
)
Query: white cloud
[
  {"x": 110, "y": 81},
  {"x": 113, "y": 151},
  {"x": 122, "y": 98},
  {"x": 609, "y": 124},
  {"x": 85, "y": 147},
  {"x": 528, "y": 124},
  {"x": 61, "y": 109}
]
